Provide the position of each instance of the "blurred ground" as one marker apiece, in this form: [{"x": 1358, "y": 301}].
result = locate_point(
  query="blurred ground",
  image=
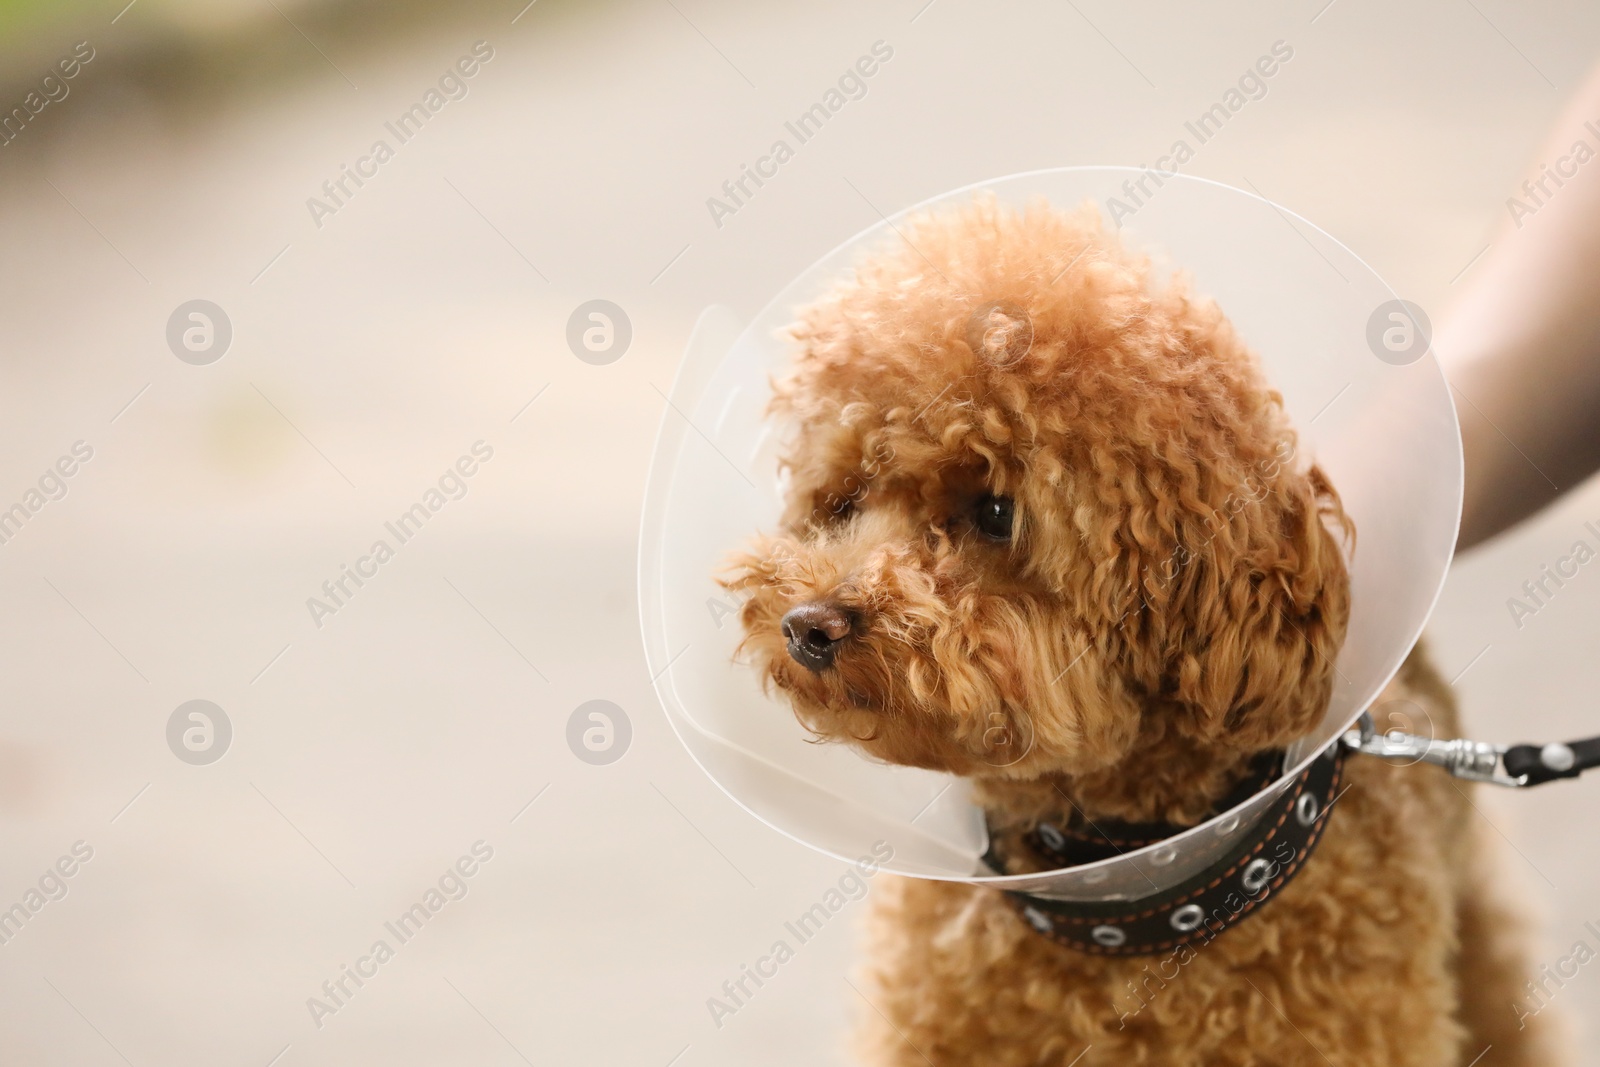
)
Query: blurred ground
[{"x": 372, "y": 351}]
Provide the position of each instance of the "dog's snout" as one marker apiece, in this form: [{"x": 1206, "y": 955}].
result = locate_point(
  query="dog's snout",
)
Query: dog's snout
[{"x": 815, "y": 632}]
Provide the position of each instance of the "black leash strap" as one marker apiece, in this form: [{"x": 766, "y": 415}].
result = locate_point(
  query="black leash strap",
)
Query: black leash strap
[
  {"x": 1541, "y": 764},
  {"x": 1517, "y": 766}
]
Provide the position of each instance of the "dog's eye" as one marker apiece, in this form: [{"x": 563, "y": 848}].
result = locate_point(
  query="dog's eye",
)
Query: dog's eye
[
  {"x": 992, "y": 517},
  {"x": 833, "y": 508}
]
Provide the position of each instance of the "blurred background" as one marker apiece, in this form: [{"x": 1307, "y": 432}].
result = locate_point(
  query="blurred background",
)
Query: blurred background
[{"x": 350, "y": 355}]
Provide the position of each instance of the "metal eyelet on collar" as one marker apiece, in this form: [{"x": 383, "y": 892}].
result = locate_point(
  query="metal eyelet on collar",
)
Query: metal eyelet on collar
[
  {"x": 1109, "y": 936},
  {"x": 1051, "y": 837},
  {"x": 1187, "y": 918},
  {"x": 1256, "y": 875},
  {"x": 1306, "y": 809}
]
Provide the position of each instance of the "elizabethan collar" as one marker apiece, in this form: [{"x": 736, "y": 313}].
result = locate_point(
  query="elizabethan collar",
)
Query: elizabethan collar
[{"x": 1370, "y": 405}]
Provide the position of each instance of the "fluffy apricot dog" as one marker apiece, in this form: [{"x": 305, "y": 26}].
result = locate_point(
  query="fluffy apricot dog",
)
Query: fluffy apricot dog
[{"x": 1047, "y": 528}]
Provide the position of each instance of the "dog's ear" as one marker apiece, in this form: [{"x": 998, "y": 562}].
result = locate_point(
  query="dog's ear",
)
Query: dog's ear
[{"x": 1256, "y": 599}]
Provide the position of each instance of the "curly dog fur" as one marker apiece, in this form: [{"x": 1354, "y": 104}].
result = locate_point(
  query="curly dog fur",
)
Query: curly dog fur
[{"x": 1063, "y": 545}]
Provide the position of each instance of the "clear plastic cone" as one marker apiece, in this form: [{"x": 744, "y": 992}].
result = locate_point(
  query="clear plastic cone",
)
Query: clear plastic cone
[{"x": 1380, "y": 422}]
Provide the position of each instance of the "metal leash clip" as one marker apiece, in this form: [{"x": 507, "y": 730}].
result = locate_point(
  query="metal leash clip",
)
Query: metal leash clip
[{"x": 1476, "y": 761}]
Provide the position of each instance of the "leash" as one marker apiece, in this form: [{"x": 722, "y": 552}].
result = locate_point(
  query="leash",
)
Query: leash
[
  {"x": 1515, "y": 766},
  {"x": 1266, "y": 857}
]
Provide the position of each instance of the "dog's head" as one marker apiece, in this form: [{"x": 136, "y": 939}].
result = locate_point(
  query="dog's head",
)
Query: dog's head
[{"x": 1038, "y": 508}]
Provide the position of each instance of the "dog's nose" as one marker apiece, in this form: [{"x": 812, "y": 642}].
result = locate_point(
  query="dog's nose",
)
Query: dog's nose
[{"x": 814, "y": 633}]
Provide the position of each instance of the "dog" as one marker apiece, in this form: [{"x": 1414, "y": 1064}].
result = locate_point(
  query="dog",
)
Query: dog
[{"x": 1046, "y": 527}]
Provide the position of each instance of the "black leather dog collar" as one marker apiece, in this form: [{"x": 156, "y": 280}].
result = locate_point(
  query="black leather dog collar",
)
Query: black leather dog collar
[{"x": 1201, "y": 907}]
